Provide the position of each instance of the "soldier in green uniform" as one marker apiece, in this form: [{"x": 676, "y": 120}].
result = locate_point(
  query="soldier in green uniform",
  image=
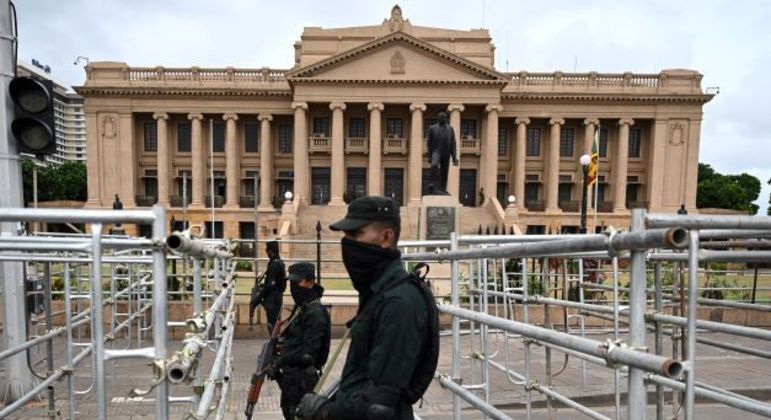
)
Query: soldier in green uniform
[
  {"x": 305, "y": 340},
  {"x": 390, "y": 330},
  {"x": 272, "y": 294}
]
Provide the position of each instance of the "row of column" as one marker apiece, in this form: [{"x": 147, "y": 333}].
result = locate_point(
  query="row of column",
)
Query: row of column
[
  {"x": 621, "y": 151},
  {"x": 488, "y": 169},
  {"x": 198, "y": 159}
]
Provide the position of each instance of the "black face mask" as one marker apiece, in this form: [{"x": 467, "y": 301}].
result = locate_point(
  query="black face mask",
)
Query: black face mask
[
  {"x": 365, "y": 262},
  {"x": 302, "y": 295}
]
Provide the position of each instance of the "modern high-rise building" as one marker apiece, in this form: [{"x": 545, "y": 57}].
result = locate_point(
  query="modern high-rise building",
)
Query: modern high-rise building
[
  {"x": 69, "y": 117},
  {"x": 350, "y": 118}
]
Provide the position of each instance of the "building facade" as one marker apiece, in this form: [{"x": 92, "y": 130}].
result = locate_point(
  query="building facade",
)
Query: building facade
[
  {"x": 69, "y": 118},
  {"x": 351, "y": 116}
]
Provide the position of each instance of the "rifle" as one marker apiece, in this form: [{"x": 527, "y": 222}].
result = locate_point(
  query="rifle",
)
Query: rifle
[
  {"x": 256, "y": 297},
  {"x": 263, "y": 364}
]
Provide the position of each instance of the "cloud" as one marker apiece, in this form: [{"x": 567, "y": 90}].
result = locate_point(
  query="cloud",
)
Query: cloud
[{"x": 728, "y": 41}]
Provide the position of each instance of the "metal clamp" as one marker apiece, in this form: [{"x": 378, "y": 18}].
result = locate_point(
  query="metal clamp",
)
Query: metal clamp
[
  {"x": 609, "y": 346},
  {"x": 159, "y": 376},
  {"x": 610, "y": 234}
]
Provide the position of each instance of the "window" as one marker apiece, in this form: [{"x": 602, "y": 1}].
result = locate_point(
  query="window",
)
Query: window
[
  {"x": 320, "y": 186},
  {"x": 356, "y": 128},
  {"x": 183, "y": 137},
  {"x": 395, "y": 127},
  {"x": 216, "y": 232},
  {"x": 151, "y": 137},
  {"x": 284, "y": 138},
  {"x": 531, "y": 191},
  {"x": 533, "y": 142},
  {"x": 246, "y": 231},
  {"x": 503, "y": 141},
  {"x": 603, "y": 142},
  {"x": 635, "y": 139},
  {"x": 252, "y": 138},
  {"x": 357, "y": 183},
  {"x": 321, "y": 126},
  {"x": 632, "y": 193},
  {"x": 249, "y": 184},
  {"x": 218, "y": 138},
  {"x": 564, "y": 192},
  {"x": 468, "y": 128},
  {"x": 567, "y": 137},
  {"x": 185, "y": 184},
  {"x": 427, "y": 123}
]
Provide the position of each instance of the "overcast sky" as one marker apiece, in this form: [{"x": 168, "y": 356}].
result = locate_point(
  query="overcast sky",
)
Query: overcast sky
[{"x": 727, "y": 41}]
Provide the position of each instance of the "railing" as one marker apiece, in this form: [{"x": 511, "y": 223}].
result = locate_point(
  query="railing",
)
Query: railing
[
  {"x": 178, "y": 201},
  {"x": 570, "y": 206},
  {"x": 145, "y": 200},
  {"x": 394, "y": 144},
  {"x": 219, "y": 201},
  {"x": 537, "y": 205},
  {"x": 470, "y": 146},
  {"x": 246, "y": 201},
  {"x": 493, "y": 276},
  {"x": 195, "y": 74},
  {"x": 605, "y": 207},
  {"x": 592, "y": 79},
  {"x": 319, "y": 143},
  {"x": 356, "y": 145}
]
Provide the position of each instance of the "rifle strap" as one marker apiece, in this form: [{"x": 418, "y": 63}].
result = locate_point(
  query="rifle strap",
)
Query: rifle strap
[{"x": 331, "y": 364}]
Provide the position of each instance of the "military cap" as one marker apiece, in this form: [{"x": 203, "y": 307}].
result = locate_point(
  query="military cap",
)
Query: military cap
[
  {"x": 271, "y": 246},
  {"x": 365, "y": 210},
  {"x": 302, "y": 271}
]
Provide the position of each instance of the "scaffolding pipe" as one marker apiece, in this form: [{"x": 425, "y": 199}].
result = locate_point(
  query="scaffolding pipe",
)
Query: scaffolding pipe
[
  {"x": 708, "y": 222},
  {"x": 181, "y": 243},
  {"x": 141, "y": 217},
  {"x": 476, "y": 402},
  {"x": 659, "y": 238},
  {"x": 745, "y": 404},
  {"x": 160, "y": 310},
  {"x": 611, "y": 353}
]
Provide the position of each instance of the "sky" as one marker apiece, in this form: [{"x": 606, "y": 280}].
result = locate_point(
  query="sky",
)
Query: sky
[{"x": 729, "y": 42}]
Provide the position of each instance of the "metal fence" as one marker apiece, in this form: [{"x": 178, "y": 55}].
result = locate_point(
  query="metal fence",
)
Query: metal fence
[
  {"x": 125, "y": 279},
  {"x": 491, "y": 278}
]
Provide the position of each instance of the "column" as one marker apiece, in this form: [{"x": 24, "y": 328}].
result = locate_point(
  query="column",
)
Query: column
[
  {"x": 519, "y": 160},
  {"x": 619, "y": 171},
  {"x": 338, "y": 155},
  {"x": 266, "y": 163},
  {"x": 128, "y": 170},
  {"x": 590, "y": 125},
  {"x": 415, "y": 163},
  {"x": 692, "y": 165},
  {"x": 164, "y": 162},
  {"x": 93, "y": 161},
  {"x": 374, "y": 180},
  {"x": 489, "y": 156},
  {"x": 656, "y": 162},
  {"x": 453, "y": 178},
  {"x": 233, "y": 182},
  {"x": 553, "y": 167},
  {"x": 197, "y": 159},
  {"x": 301, "y": 165}
]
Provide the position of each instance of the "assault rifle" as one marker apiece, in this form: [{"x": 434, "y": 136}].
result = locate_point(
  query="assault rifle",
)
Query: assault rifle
[
  {"x": 263, "y": 364},
  {"x": 256, "y": 297}
]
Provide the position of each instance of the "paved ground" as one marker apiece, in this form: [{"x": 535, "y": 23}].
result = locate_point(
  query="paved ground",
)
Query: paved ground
[{"x": 743, "y": 374}]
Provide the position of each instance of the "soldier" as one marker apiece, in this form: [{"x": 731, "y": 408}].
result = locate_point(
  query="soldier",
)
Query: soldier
[
  {"x": 390, "y": 331},
  {"x": 272, "y": 293},
  {"x": 305, "y": 340}
]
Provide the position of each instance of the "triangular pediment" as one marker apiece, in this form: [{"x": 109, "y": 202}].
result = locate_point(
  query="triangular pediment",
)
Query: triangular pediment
[{"x": 396, "y": 57}]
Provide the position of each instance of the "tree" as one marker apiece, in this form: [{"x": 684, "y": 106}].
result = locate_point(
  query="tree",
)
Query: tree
[
  {"x": 67, "y": 181},
  {"x": 735, "y": 192}
]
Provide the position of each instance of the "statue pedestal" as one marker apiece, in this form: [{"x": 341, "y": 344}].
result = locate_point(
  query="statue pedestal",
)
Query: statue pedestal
[{"x": 439, "y": 216}]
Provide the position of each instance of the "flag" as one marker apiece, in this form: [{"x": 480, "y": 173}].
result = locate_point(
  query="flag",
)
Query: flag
[{"x": 594, "y": 164}]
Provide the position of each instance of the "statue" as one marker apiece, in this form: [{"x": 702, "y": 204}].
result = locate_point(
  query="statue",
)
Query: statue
[
  {"x": 441, "y": 147},
  {"x": 117, "y": 205}
]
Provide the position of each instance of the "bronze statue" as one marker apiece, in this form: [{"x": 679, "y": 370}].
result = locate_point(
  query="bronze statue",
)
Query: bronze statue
[{"x": 441, "y": 147}]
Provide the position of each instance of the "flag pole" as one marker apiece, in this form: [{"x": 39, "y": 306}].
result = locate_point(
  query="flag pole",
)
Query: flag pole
[{"x": 597, "y": 175}]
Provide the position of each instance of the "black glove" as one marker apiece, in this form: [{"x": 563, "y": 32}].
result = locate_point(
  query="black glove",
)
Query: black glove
[
  {"x": 310, "y": 407},
  {"x": 273, "y": 372}
]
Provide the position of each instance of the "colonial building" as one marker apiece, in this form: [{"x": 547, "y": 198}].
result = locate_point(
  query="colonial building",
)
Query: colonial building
[{"x": 351, "y": 116}]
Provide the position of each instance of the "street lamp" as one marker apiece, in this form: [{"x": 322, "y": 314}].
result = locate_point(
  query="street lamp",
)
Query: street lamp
[
  {"x": 585, "y": 160},
  {"x": 512, "y": 200},
  {"x": 288, "y": 196}
]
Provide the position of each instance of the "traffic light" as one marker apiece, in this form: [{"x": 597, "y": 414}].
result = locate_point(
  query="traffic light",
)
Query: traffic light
[{"x": 33, "y": 123}]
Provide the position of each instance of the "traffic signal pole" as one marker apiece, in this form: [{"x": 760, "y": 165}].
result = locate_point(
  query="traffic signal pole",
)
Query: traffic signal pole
[{"x": 18, "y": 378}]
